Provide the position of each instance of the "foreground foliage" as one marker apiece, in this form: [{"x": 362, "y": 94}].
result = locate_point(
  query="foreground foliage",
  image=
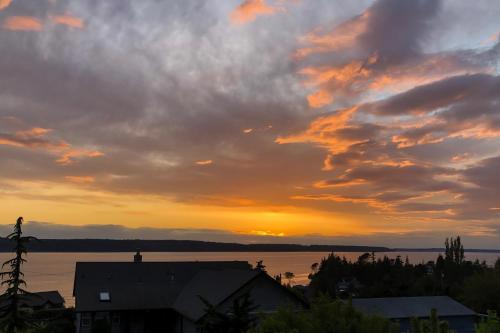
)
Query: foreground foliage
[
  {"x": 481, "y": 291},
  {"x": 12, "y": 318},
  {"x": 489, "y": 325},
  {"x": 325, "y": 316},
  {"x": 432, "y": 325}
]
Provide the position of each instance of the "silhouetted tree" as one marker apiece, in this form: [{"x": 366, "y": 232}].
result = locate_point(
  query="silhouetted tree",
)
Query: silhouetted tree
[
  {"x": 260, "y": 266},
  {"x": 289, "y": 276},
  {"x": 13, "y": 279},
  {"x": 497, "y": 265},
  {"x": 454, "y": 250},
  {"x": 364, "y": 258},
  {"x": 239, "y": 319},
  {"x": 314, "y": 270},
  {"x": 387, "y": 277}
]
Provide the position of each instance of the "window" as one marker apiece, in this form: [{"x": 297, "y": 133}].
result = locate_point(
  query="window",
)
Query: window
[
  {"x": 85, "y": 320},
  {"x": 104, "y": 296},
  {"x": 116, "y": 319}
]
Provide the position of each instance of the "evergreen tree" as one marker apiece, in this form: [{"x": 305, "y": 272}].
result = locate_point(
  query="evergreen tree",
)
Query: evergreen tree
[
  {"x": 289, "y": 276},
  {"x": 260, "y": 266},
  {"x": 454, "y": 250},
  {"x": 13, "y": 279}
]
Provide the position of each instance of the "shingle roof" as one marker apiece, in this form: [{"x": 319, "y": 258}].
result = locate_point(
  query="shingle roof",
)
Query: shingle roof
[
  {"x": 214, "y": 286},
  {"x": 39, "y": 299},
  {"x": 406, "y": 307},
  {"x": 147, "y": 285}
]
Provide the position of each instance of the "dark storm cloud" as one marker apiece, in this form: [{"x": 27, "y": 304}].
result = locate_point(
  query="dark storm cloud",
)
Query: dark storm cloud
[
  {"x": 396, "y": 29},
  {"x": 439, "y": 94},
  {"x": 390, "y": 178}
]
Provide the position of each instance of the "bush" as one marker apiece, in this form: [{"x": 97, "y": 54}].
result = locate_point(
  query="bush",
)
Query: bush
[
  {"x": 482, "y": 292},
  {"x": 490, "y": 325},
  {"x": 325, "y": 316}
]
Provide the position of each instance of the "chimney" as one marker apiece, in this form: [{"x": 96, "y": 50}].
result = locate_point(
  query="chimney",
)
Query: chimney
[{"x": 138, "y": 256}]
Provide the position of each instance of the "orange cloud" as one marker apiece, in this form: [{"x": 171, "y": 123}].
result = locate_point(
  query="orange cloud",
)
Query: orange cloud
[
  {"x": 323, "y": 131},
  {"x": 70, "y": 156},
  {"x": 4, "y": 4},
  {"x": 35, "y": 138},
  {"x": 343, "y": 36},
  {"x": 80, "y": 179},
  {"x": 349, "y": 183},
  {"x": 35, "y": 132},
  {"x": 319, "y": 99},
  {"x": 204, "y": 162},
  {"x": 69, "y": 20},
  {"x": 436, "y": 131},
  {"x": 372, "y": 202},
  {"x": 248, "y": 130},
  {"x": 403, "y": 141},
  {"x": 32, "y": 138},
  {"x": 22, "y": 23},
  {"x": 460, "y": 158},
  {"x": 250, "y": 9},
  {"x": 267, "y": 233}
]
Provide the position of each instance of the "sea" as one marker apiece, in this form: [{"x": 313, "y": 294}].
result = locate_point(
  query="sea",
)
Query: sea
[{"x": 55, "y": 271}]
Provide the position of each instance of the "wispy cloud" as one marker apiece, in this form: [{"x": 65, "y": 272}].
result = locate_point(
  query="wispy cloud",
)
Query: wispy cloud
[
  {"x": 68, "y": 20},
  {"x": 4, "y": 4},
  {"x": 36, "y": 138},
  {"x": 249, "y": 10},
  {"x": 204, "y": 162},
  {"x": 22, "y": 23}
]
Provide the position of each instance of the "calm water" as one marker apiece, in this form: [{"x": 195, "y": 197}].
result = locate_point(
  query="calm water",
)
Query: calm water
[{"x": 55, "y": 271}]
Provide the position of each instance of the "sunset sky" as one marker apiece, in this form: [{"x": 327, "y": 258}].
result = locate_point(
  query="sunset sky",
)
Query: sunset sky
[{"x": 310, "y": 121}]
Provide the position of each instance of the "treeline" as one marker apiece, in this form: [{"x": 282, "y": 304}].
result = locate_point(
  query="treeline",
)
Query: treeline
[
  {"x": 474, "y": 283},
  {"x": 131, "y": 245}
]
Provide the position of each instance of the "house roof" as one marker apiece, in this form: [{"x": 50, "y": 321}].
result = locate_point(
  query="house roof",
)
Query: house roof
[
  {"x": 406, "y": 307},
  {"x": 38, "y": 299},
  {"x": 156, "y": 285},
  {"x": 214, "y": 286}
]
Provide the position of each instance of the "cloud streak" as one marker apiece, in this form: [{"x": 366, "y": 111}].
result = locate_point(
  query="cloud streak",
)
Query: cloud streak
[
  {"x": 4, "y": 4},
  {"x": 249, "y": 10},
  {"x": 22, "y": 23}
]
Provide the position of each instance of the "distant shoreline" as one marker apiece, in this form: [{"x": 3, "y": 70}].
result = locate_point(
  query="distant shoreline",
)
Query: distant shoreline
[{"x": 132, "y": 245}]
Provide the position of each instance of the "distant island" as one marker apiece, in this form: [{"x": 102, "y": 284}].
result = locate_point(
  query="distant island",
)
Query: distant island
[{"x": 130, "y": 245}]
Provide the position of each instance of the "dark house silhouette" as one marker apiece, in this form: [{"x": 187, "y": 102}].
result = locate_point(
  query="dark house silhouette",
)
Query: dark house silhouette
[
  {"x": 401, "y": 309},
  {"x": 43, "y": 300},
  {"x": 165, "y": 296}
]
